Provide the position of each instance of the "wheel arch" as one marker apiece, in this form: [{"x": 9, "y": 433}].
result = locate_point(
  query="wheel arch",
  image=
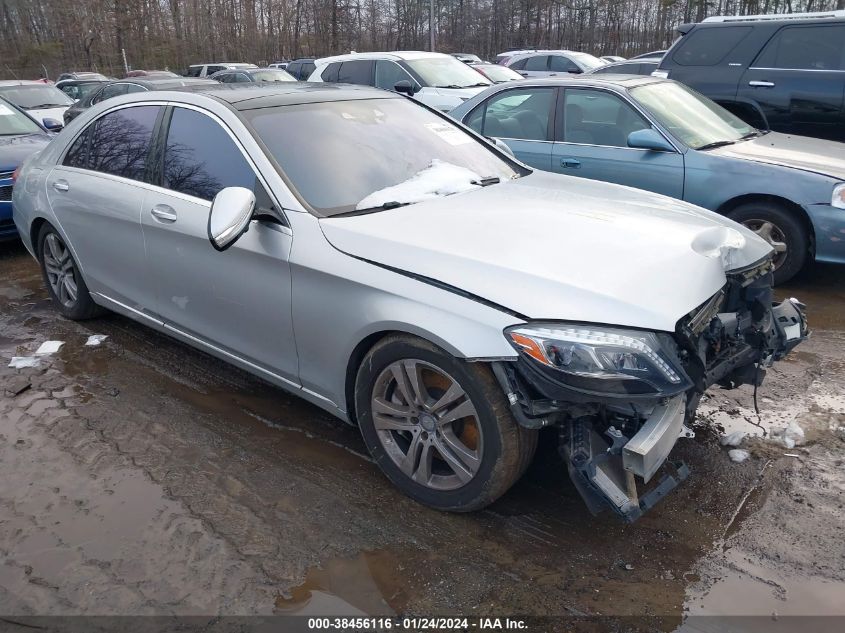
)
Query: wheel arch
[
  {"x": 34, "y": 231},
  {"x": 726, "y": 207}
]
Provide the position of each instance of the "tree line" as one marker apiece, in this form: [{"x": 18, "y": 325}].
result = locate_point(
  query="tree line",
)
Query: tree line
[{"x": 53, "y": 36}]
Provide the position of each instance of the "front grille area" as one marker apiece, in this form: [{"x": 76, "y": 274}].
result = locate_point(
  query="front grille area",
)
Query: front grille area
[
  {"x": 6, "y": 174},
  {"x": 5, "y": 193}
]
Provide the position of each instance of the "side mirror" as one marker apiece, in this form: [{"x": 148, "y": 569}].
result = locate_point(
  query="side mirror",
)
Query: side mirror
[
  {"x": 53, "y": 125},
  {"x": 405, "y": 87},
  {"x": 649, "y": 139},
  {"x": 501, "y": 145},
  {"x": 231, "y": 211},
  {"x": 575, "y": 71},
  {"x": 524, "y": 73}
]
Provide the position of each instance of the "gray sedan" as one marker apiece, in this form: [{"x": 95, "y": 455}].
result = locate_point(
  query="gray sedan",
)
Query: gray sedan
[
  {"x": 661, "y": 136},
  {"x": 395, "y": 269}
]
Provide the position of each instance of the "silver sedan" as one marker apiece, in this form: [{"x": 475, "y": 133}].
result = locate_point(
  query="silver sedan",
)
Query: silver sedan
[{"x": 396, "y": 269}]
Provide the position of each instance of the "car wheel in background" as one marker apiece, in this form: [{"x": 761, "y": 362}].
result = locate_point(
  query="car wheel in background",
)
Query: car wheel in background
[
  {"x": 439, "y": 428},
  {"x": 782, "y": 230},
  {"x": 62, "y": 277}
]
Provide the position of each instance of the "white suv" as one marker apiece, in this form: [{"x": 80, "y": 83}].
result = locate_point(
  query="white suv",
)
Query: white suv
[
  {"x": 206, "y": 70},
  {"x": 436, "y": 79}
]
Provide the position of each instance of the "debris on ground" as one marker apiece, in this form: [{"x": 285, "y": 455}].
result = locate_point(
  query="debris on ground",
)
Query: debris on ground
[
  {"x": 738, "y": 455},
  {"x": 24, "y": 362},
  {"x": 732, "y": 439},
  {"x": 48, "y": 347},
  {"x": 790, "y": 436},
  {"x": 95, "y": 339}
]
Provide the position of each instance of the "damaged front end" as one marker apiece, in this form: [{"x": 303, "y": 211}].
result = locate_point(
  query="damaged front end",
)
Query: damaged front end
[{"x": 622, "y": 397}]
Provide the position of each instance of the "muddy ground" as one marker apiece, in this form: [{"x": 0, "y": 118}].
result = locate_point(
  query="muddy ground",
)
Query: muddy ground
[{"x": 143, "y": 477}]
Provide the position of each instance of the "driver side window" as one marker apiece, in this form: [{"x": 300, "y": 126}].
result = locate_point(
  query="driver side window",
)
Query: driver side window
[
  {"x": 518, "y": 114},
  {"x": 388, "y": 73},
  {"x": 597, "y": 117}
]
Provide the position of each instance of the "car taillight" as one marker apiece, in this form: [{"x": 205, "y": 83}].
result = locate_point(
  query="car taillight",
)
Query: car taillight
[{"x": 15, "y": 174}]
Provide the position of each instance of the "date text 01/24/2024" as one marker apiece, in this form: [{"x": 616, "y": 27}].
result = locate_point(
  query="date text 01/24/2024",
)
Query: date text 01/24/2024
[{"x": 365, "y": 624}]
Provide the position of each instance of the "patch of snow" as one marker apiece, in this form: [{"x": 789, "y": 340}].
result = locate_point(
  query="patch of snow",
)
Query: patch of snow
[
  {"x": 438, "y": 179},
  {"x": 21, "y": 362},
  {"x": 791, "y": 436},
  {"x": 738, "y": 455},
  {"x": 733, "y": 439},
  {"x": 95, "y": 339},
  {"x": 49, "y": 347}
]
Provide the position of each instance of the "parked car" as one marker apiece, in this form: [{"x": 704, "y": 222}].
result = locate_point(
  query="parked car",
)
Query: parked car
[
  {"x": 78, "y": 89},
  {"x": 649, "y": 55},
  {"x": 785, "y": 73},
  {"x": 84, "y": 75},
  {"x": 45, "y": 103},
  {"x": 502, "y": 58},
  {"x": 20, "y": 136},
  {"x": 553, "y": 63},
  {"x": 437, "y": 80},
  {"x": 396, "y": 280},
  {"x": 129, "y": 86},
  {"x": 612, "y": 58},
  {"x": 301, "y": 68},
  {"x": 281, "y": 65},
  {"x": 659, "y": 135},
  {"x": 206, "y": 70},
  {"x": 246, "y": 76},
  {"x": 467, "y": 58},
  {"x": 645, "y": 66},
  {"x": 496, "y": 73},
  {"x": 149, "y": 73}
]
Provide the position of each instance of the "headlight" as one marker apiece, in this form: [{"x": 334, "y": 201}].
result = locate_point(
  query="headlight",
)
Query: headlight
[
  {"x": 838, "y": 199},
  {"x": 602, "y": 359}
]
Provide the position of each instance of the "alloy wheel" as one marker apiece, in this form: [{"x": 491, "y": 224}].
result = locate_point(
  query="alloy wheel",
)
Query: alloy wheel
[
  {"x": 773, "y": 234},
  {"x": 61, "y": 273},
  {"x": 427, "y": 424}
]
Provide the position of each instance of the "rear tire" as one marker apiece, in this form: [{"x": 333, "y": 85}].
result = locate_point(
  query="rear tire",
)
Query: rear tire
[
  {"x": 459, "y": 456},
  {"x": 62, "y": 277},
  {"x": 782, "y": 229}
]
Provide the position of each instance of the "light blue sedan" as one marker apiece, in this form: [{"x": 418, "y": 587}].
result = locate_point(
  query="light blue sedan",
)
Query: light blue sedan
[{"x": 659, "y": 135}]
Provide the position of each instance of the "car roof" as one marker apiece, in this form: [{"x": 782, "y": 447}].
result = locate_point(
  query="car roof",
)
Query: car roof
[
  {"x": 395, "y": 55},
  {"x": 252, "y": 96}
]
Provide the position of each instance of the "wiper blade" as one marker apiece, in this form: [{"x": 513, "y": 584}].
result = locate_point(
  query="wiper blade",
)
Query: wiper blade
[
  {"x": 450, "y": 86},
  {"x": 45, "y": 105},
  {"x": 715, "y": 144},
  {"x": 393, "y": 204},
  {"x": 487, "y": 181}
]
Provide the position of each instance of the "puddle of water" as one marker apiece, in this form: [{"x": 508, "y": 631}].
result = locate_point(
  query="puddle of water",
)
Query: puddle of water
[{"x": 372, "y": 583}]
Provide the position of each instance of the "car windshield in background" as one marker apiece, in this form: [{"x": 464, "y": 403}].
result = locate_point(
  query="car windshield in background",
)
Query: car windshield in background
[
  {"x": 694, "y": 119},
  {"x": 272, "y": 75},
  {"x": 345, "y": 160},
  {"x": 13, "y": 122},
  {"x": 34, "y": 97},
  {"x": 446, "y": 72},
  {"x": 587, "y": 61},
  {"x": 498, "y": 73}
]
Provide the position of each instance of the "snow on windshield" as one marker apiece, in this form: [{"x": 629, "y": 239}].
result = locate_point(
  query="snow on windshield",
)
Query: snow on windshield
[{"x": 438, "y": 179}]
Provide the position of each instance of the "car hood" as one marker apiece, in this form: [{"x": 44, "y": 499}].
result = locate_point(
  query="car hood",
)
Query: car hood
[
  {"x": 799, "y": 152},
  {"x": 39, "y": 114},
  {"x": 548, "y": 246},
  {"x": 14, "y": 149}
]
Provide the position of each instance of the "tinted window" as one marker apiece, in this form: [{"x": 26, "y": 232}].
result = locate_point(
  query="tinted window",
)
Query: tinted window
[
  {"x": 597, "y": 117},
  {"x": 112, "y": 90},
  {"x": 518, "y": 64},
  {"x": 388, "y": 73},
  {"x": 708, "y": 47},
  {"x": 77, "y": 155},
  {"x": 622, "y": 69},
  {"x": 330, "y": 72},
  {"x": 200, "y": 158},
  {"x": 194, "y": 71},
  {"x": 359, "y": 71},
  {"x": 806, "y": 48},
  {"x": 307, "y": 69},
  {"x": 538, "y": 62},
  {"x": 559, "y": 63},
  {"x": 213, "y": 69},
  {"x": 120, "y": 141},
  {"x": 522, "y": 114},
  {"x": 293, "y": 69}
]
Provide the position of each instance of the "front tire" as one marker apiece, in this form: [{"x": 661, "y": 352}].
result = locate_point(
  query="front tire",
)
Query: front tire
[
  {"x": 782, "y": 230},
  {"x": 438, "y": 427},
  {"x": 62, "y": 277}
]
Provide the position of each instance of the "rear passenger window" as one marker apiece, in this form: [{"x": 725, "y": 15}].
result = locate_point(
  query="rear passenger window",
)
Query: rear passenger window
[
  {"x": 359, "y": 71},
  {"x": 519, "y": 114},
  {"x": 200, "y": 158},
  {"x": 805, "y": 48},
  {"x": 539, "y": 62},
  {"x": 709, "y": 46},
  {"x": 77, "y": 155},
  {"x": 518, "y": 64},
  {"x": 330, "y": 73},
  {"x": 120, "y": 141}
]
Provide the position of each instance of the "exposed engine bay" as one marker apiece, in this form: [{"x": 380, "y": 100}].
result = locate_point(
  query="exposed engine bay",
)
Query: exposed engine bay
[{"x": 618, "y": 426}]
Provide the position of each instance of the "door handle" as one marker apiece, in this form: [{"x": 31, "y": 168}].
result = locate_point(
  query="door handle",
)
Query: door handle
[
  {"x": 61, "y": 185},
  {"x": 163, "y": 213},
  {"x": 570, "y": 163},
  {"x": 761, "y": 84}
]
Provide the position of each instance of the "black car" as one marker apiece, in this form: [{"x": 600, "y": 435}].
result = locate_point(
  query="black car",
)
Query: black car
[
  {"x": 644, "y": 66},
  {"x": 126, "y": 86},
  {"x": 785, "y": 73},
  {"x": 301, "y": 68},
  {"x": 251, "y": 75}
]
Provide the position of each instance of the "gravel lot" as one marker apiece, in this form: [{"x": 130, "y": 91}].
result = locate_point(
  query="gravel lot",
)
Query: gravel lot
[{"x": 143, "y": 477}]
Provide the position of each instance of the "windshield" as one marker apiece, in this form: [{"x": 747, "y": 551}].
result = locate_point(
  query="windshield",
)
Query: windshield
[
  {"x": 587, "y": 61},
  {"x": 498, "y": 73},
  {"x": 695, "y": 120},
  {"x": 338, "y": 153},
  {"x": 446, "y": 72},
  {"x": 15, "y": 122},
  {"x": 35, "y": 96}
]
